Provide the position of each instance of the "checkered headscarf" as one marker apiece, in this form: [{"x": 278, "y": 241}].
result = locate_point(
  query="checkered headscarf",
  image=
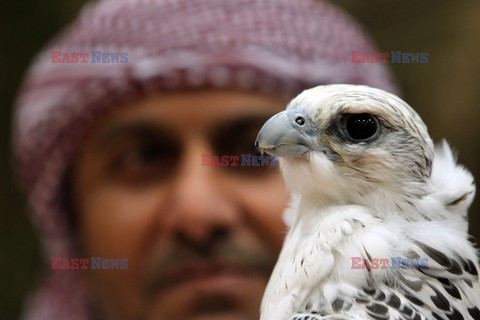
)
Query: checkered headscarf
[{"x": 277, "y": 47}]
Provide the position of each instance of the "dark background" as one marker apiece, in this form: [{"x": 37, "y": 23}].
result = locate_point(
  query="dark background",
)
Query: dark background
[{"x": 445, "y": 91}]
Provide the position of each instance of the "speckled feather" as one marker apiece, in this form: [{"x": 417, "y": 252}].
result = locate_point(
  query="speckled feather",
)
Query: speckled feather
[{"x": 397, "y": 196}]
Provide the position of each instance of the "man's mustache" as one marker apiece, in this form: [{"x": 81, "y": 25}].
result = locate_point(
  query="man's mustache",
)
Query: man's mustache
[{"x": 181, "y": 261}]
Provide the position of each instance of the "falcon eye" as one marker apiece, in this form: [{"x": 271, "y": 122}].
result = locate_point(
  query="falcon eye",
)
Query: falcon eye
[
  {"x": 300, "y": 121},
  {"x": 360, "y": 127}
]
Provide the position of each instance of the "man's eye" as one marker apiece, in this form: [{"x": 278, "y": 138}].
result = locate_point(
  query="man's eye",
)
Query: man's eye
[
  {"x": 244, "y": 145},
  {"x": 144, "y": 161},
  {"x": 240, "y": 142},
  {"x": 142, "y": 156}
]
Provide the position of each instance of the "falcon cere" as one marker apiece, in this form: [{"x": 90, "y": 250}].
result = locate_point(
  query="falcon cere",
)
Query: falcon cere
[
  {"x": 397, "y": 263},
  {"x": 247, "y": 160},
  {"x": 98, "y": 263},
  {"x": 397, "y": 57}
]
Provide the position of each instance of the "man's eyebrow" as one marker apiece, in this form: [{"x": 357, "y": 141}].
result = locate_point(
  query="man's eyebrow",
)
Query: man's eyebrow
[{"x": 141, "y": 129}]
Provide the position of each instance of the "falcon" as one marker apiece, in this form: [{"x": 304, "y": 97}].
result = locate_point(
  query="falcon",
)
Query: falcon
[{"x": 368, "y": 185}]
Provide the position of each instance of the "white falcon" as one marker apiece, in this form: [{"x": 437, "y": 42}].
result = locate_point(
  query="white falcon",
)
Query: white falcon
[{"x": 367, "y": 184}]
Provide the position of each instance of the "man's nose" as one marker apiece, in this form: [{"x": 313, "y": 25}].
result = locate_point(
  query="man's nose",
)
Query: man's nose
[{"x": 203, "y": 209}]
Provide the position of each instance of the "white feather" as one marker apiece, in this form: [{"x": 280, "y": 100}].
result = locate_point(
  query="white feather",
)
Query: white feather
[{"x": 336, "y": 215}]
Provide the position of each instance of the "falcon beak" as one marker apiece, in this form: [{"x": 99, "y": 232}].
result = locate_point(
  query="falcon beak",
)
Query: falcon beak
[{"x": 279, "y": 137}]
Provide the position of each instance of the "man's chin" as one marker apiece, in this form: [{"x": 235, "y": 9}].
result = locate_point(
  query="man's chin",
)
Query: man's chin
[{"x": 223, "y": 297}]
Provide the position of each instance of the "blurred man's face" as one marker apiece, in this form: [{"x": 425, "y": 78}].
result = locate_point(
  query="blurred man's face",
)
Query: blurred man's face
[{"x": 200, "y": 241}]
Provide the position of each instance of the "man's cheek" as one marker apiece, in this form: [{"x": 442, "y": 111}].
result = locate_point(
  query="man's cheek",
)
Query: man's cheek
[{"x": 114, "y": 222}]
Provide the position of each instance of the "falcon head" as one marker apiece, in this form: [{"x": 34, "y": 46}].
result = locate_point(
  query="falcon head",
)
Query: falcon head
[{"x": 344, "y": 142}]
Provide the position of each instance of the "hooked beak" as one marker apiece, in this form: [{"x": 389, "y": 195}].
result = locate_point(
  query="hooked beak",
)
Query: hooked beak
[{"x": 279, "y": 137}]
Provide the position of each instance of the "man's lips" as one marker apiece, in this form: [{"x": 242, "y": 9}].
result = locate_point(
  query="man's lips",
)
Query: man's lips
[{"x": 203, "y": 275}]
